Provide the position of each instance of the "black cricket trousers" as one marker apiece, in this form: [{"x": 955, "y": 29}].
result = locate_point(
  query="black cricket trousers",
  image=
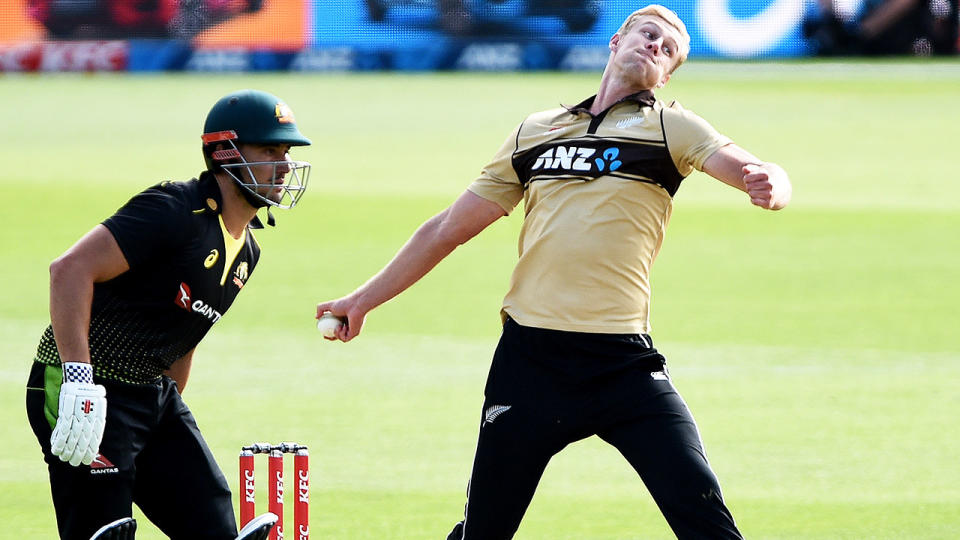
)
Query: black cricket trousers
[
  {"x": 547, "y": 389},
  {"x": 152, "y": 454}
]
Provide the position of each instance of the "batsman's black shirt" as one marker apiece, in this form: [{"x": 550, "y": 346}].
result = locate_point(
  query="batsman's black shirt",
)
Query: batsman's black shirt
[{"x": 185, "y": 272}]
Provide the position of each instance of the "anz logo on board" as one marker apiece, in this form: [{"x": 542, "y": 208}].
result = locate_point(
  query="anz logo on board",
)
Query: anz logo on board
[{"x": 573, "y": 158}]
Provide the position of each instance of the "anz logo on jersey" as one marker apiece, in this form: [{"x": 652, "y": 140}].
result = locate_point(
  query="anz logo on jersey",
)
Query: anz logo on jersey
[
  {"x": 573, "y": 158},
  {"x": 199, "y": 307}
]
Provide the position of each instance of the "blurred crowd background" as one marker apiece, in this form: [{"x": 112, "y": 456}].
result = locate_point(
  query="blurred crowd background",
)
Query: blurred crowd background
[
  {"x": 882, "y": 27},
  {"x": 318, "y": 35}
]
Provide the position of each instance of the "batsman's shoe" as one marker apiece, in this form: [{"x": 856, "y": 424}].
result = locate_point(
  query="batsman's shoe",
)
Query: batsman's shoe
[
  {"x": 121, "y": 529},
  {"x": 81, "y": 417},
  {"x": 259, "y": 527}
]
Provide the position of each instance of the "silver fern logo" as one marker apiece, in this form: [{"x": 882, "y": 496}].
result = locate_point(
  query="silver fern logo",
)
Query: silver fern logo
[
  {"x": 627, "y": 122},
  {"x": 493, "y": 412}
]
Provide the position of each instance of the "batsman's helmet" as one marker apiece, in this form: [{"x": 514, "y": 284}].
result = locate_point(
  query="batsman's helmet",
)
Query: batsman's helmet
[{"x": 254, "y": 117}]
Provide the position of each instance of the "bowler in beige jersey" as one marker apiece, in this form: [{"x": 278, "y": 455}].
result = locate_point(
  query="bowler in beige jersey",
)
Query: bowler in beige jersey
[{"x": 575, "y": 358}]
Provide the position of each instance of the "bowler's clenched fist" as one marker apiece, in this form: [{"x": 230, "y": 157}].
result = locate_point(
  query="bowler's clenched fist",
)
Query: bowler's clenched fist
[{"x": 767, "y": 185}]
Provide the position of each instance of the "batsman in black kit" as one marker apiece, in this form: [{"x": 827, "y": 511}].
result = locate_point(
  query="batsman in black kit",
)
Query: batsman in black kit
[{"x": 129, "y": 302}]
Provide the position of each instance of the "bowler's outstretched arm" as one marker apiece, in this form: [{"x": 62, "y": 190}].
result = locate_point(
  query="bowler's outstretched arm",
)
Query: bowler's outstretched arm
[{"x": 429, "y": 245}]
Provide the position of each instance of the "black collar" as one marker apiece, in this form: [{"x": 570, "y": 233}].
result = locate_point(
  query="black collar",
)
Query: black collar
[
  {"x": 213, "y": 199},
  {"x": 644, "y": 98},
  {"x": 210, "y": 192}
]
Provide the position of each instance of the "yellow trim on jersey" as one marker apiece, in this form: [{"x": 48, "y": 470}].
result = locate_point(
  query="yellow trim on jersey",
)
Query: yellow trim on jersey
[{"x": 232, "y": 247}]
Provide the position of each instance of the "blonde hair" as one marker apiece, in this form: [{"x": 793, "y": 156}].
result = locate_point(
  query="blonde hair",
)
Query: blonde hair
[{"x": 670, "y": 18}]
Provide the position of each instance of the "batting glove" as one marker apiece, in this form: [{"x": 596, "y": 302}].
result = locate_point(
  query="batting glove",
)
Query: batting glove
[{"x": 82, "y": 416}]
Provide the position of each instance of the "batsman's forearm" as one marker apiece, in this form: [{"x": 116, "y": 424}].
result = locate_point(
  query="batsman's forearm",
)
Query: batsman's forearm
[{"x": 71, "y": 295}]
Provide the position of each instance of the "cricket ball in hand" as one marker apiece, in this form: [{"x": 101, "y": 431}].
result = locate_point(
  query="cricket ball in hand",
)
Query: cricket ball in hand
[{"x": 328, "y": 324}]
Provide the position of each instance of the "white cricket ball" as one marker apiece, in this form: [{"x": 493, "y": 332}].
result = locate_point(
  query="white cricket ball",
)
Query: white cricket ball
[{"x": 328, "y": 324}]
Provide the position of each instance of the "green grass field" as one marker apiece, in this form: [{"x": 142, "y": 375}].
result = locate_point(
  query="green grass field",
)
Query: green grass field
[{"x": 817, "y": 346}]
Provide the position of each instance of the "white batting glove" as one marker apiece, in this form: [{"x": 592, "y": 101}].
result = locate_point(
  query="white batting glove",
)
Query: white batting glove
[{"x": 82, "y": 416}]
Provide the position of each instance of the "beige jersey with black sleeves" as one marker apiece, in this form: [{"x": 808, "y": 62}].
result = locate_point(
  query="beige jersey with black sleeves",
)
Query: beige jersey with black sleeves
[{"x": 598, "y": 193}]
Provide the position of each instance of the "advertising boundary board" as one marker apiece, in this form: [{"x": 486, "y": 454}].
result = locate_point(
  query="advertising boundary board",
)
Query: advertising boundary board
[{"x": 345, "y": 35}]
